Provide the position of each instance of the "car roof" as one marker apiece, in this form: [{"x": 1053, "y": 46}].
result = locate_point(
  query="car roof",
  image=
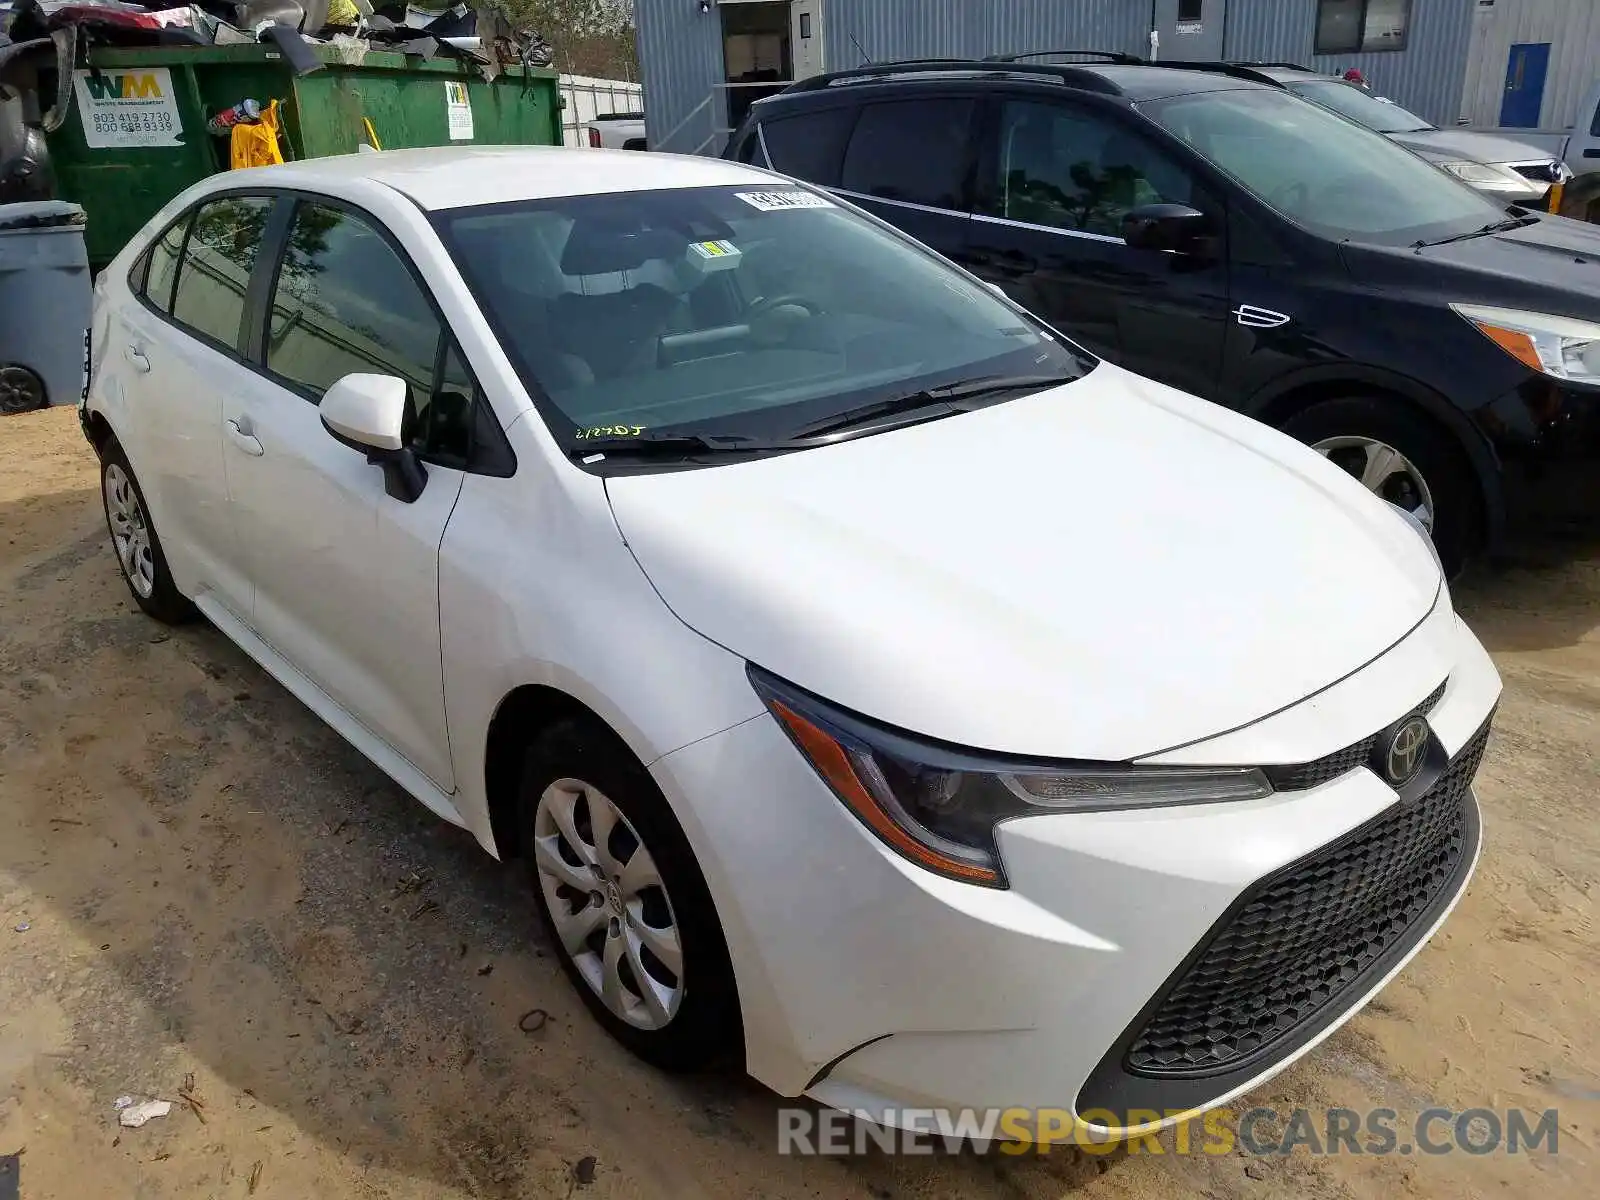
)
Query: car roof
[{"x": 458, "y": 177}]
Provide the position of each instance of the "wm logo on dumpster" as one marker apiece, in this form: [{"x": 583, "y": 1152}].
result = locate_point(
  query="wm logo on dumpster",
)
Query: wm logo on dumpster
[{"x": 123, "y": 87}]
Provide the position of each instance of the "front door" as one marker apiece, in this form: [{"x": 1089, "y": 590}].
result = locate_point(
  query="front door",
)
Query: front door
[
  {"x": 1525, "y": 75},
  {"x": 347, "y": 576},
  {"x": 805, "y": 35},
  {"x": 1055, "y": 183},
  {"x": 1191, "y": 30}
]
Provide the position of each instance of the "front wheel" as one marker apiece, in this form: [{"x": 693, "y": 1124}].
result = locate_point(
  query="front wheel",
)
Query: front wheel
[
  {"x": 133, "y": 537},
  {"x": 1403, "y": 457},
  {"x": 624, "y": 901}
]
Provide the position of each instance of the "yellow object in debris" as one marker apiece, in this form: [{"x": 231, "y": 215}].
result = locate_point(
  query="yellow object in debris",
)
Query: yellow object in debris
[
  {"x": 342, "y": 13},
  {"x": 256, "y": 145},
  {"x": 372, "y": 134}
]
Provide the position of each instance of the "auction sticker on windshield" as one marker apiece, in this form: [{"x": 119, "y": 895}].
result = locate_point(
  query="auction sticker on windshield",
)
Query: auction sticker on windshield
[
  {"x": 132, "y": 107},
  {"x": 778, "y": 201}
]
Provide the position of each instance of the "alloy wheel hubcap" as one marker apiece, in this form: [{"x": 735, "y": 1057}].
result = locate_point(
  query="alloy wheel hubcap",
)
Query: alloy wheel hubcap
[
  {"x": 1384, "y": 471},
  {"x": 130, "y": 532},
  {"x": 608, "y": 903}
]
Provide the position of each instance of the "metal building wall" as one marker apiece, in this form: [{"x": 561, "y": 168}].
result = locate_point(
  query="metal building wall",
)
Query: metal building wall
[
  {"x": 888, "y": 29},
  {"x": 1426, "y": 77},
  {"x": 680, "y": 49},
  {"x": 1573, "y": 29},
  {"x": 680, "y": 63}
]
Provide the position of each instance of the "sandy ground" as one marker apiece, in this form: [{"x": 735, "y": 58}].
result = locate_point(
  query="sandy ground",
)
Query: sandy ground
[{"x": 223, "y": 898}]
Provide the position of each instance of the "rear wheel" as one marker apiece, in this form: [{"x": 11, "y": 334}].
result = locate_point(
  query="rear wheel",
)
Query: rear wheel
[
  {"x": 624, "y": 901},
  {"x": 1406, "y": 459},
  {"x": 133, "y": 537}
]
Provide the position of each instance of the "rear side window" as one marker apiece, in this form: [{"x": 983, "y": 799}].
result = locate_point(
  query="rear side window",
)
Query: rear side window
[
  {"x": 912, "y": 151},
  {"x": 749, "y": 150},
  {"x": 161, "y": 269},
  {"x": 809, "y": 146},
  {"x": 217, "y": 264}
]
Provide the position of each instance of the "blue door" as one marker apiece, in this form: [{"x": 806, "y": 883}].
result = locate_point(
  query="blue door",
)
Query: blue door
[{"x": 1525, "y": 72}]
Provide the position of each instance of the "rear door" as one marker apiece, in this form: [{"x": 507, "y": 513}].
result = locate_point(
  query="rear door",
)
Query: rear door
[
  {"x": 910, "y": 161},
  {"x": 177, "y": 351},
  {"x": 1055, "y": 182}
]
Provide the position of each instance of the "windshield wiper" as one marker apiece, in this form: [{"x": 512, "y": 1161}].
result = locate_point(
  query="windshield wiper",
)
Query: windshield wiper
[
  {"x": 1493, "y": 227},
  {"x": 938, "y": 401},
  {"x": 670, "y": 445}
]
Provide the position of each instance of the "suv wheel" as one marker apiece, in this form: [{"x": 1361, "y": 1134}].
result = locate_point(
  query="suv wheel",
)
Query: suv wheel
[
  {"x": 1406, "y": 459},
  {"x": 625, "y": 903}
]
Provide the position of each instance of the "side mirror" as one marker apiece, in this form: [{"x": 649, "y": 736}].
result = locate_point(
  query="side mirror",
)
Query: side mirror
[
  {"x": 367, "y": 413},
  {"x": 1174, "y": 228}
]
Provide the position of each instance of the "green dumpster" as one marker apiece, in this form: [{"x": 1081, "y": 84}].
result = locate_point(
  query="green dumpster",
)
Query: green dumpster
[{"x": 136, "y": 134}]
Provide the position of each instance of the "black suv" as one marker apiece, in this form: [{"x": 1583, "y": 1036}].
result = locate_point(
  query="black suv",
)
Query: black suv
[{"x": 1250, "y": 247}]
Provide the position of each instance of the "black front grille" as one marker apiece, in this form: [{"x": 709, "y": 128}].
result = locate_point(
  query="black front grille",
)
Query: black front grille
[
  {"x": 1296, "y": 942},
  {"x": 1341, "y": 762}
]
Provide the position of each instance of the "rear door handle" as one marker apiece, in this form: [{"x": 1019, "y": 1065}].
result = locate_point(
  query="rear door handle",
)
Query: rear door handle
[
  {"x": 247, "y": 442},
  {"x": 137, "y": 357}
]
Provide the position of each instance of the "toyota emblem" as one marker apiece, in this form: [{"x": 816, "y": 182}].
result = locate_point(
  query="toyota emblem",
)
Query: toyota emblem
[{"x": 1406, "y": 751}]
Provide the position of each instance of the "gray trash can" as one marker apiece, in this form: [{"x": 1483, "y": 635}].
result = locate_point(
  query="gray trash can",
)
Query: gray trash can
[{"x": 45, "y": 301}]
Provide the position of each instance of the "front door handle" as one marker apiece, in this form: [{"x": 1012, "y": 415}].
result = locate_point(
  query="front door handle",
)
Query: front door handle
[
  {"x": 136, "y": 356},
  {"x": 246, "y": 442}
]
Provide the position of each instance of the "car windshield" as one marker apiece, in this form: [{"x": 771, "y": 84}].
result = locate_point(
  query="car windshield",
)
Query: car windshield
[
  {"x": 732, "y": 312},
  {"x": 1322, "y": 172},
  {"x": 1361, "y": 106}
]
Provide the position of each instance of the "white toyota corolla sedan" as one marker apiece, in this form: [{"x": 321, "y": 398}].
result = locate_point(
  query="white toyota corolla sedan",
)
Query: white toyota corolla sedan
[{"x": 883, "y": 692}]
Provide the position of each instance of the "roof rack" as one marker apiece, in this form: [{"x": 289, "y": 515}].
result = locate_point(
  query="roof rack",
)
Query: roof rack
[
  {"x": 1287, "y": 66},
  {"x": 1065, "y": 73},
  {"x": 1107, "y": 55},
  {"x": 1250, "y": 71}
]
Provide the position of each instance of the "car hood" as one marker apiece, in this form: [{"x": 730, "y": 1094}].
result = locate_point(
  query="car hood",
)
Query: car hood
[
  {"x": 1456, "y": 145},
  {"x": 1551, "y": 265},
  {"x": 1102, "y": 571}
]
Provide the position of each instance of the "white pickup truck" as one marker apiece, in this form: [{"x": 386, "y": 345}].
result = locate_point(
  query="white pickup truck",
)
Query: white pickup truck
[{"x": 616, "y": 131}]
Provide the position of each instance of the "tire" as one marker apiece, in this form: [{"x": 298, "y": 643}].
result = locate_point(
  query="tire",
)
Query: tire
[
  {"x": 1354, "y": 431},
  {"x": 133, "y": 538},
  {"x": 20, "y": 390},
  {"x": 694, "y": 1023}
]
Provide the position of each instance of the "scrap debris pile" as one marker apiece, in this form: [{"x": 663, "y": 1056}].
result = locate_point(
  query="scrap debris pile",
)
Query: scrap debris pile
[{"x": 42, "y": 43}]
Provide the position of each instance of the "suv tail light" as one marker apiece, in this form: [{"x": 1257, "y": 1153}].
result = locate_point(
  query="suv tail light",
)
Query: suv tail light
[{"x": 594, "y": 137}]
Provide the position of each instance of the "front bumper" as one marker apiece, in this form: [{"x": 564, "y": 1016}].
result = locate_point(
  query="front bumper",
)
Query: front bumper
[
  {"x": 1548, "y": 438},
  {"x": 873, "y": 986}
]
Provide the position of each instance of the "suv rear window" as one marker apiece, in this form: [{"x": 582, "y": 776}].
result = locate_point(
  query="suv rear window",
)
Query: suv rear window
[
  {"x": 809, "y": 146},
  {"x": 914, "y": 151}
]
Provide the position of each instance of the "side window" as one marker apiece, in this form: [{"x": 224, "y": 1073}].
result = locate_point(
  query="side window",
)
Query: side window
[
  {"x": 217, "y": 263},
  {"x": 810, "y": 146},
  {"x": 343, "y": 302},
  {"x": 750, "y": 149},
  {"x": 914, "y": 151},
  {"x": 1070, "y": 169},
  {"x": 161, "y": 269}
]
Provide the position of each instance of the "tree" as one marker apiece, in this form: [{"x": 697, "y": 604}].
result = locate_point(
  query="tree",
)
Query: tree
[{"x": 590, "y": 37}]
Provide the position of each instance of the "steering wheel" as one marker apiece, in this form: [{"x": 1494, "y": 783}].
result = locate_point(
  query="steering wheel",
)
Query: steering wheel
[
  {"x": 769, "y": 304},
  {"x": 1279, "y": 197}
]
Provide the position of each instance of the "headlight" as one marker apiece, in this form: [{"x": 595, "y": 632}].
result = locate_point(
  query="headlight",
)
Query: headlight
[
  {"x": 1488, "y": 177},
  {"x": 1560, "y": 347},
  {"x": 938, "y": 805}
]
